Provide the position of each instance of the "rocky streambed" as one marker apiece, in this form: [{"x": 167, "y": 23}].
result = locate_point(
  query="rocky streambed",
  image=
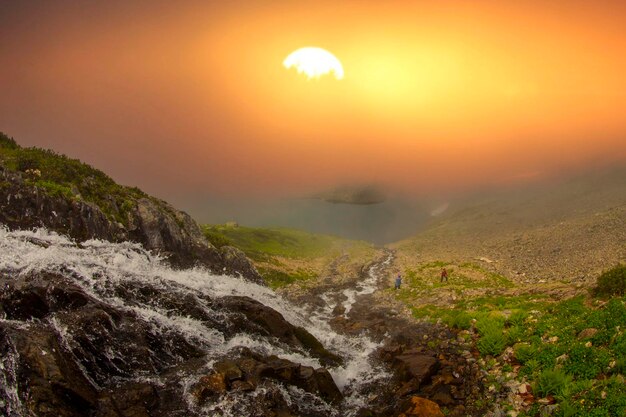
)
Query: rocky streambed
[
  {"x": 109, "y": 329},
  {"x": 431, "y": 369}
]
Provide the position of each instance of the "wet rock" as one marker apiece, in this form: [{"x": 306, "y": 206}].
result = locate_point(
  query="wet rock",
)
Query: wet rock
[
  {"x": 243, "y": 386},
  {"x": 236, "y": 263},
  {"x": 246, "y": 373},
  {"x": 131, "y": 399},
  {"x": 38, "y": 295},
  {"x": 311, "y": 344},
  {"x": 230, "y": 370},
  {"x": 49, "y": 382},
  {"x": 326, "y": 386},
  {"x": 266, "y": 321},
  {"x": 209, "y": 386}
]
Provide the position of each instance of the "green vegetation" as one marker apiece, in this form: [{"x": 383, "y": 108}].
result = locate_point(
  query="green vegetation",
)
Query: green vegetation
[
  {"x": 492, "y": 338},
  {"x": 612, "y": 282},
  {"x": 572, "y": 351},
  {"x": 287, "y": 256},
  {"x": 277, "y": 278},
  {"x": 60, "y": 176},
  {"x": 552, "y": 382},
  {"x": 263, "y": 244}
]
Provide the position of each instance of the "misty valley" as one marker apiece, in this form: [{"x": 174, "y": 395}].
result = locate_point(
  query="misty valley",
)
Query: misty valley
[
  {"x": 115, "y": 303},
  {"x": 349, "y": 208}
]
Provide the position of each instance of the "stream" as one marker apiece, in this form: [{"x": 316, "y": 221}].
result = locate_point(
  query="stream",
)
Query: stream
[{"x": 186, "y": 319}]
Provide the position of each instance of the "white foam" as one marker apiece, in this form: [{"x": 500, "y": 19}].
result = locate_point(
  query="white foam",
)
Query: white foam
[{"x": 100, "y": 267}]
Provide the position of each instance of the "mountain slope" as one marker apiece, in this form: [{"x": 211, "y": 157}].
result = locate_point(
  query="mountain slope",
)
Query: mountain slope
[
  {"x": 570, "y": 230},
  {"x": 39, "y": 188}
]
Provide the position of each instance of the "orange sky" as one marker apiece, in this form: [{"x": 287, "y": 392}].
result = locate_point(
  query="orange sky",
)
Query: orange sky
[{"x": 183, "y": 98}]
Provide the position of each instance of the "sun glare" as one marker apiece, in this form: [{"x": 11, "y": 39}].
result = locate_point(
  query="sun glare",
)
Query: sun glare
[{"x": 314, "y": 62}]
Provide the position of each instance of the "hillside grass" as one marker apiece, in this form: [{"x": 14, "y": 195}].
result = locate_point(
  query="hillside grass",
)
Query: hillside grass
[
  {"x": 286, "y": 256},
  {"x": 264, "y": 243},
  {"x": 530, "y": 335},
  {"x": 60, "y": 176}
]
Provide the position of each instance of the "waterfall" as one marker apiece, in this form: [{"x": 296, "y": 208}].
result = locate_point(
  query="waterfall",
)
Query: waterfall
[{"x": 106, "y": 271}]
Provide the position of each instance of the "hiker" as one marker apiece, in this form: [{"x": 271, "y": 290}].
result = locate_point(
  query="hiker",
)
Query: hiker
[
  {"x": 398, "y": 282},
  {"x": 444, "y": 275}
]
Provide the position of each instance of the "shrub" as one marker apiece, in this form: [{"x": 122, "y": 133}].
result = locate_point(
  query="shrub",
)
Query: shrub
[
  {"x": 586, "y": 362},
  {"x": 615, "y": 314},
  {"x": 567, "y": 409},
  {"x": 514, "y": 334},
  {"x": 490, "y": 324},
  {"x": 524, "y": 353},
  {"x": 7, "y": 142},
  {"x": 492, "y": 340},
  {"x": 612, "y": 282},
  {"x": 552, "y": 382},
  {"x": 216, "y": 238},
  {"x": 459, "y": 320},
  {"x": 517, "y": 318}
]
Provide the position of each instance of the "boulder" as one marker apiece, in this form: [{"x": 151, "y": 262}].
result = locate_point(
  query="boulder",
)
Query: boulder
[
  {"x": 263, "y": 320},
  {"x": 421, "y": 407},
  {"x": 416, "y": 366},
  {"x": 236, "y": 263},
  {"x": 247, "y": 372},
  {"x": 50, "y": 383}
]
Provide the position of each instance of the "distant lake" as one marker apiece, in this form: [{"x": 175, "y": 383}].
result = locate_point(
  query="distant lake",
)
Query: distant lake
[{"x": 382, "y": 223}]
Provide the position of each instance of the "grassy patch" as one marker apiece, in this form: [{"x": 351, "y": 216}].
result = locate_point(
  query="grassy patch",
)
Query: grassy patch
[
  {"x": 259, "y": 243},
  {"x": 287, "y": 256},
  {"x": 612, "y": 282},
  {"x": 60, "y": 176},
  {"x": 277, "y": 278},
  {"x": 582, "y": 371}
]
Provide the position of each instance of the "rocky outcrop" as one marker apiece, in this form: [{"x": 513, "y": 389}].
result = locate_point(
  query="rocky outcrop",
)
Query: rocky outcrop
[
  {"x": 245, "y": 374},
  {"x": 153, "y": 223},
  {"x": 421, "y": 407},
  {"x": 260, "y": 319},
  {"x": 415, "y": 367},
  {"x": 68, "y": 352}
]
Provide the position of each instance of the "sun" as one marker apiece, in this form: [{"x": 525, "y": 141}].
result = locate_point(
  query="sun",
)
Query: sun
[{"x": 314, "y": 62}]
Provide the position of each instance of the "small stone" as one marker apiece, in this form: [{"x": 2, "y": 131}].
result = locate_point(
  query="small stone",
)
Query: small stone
[
  {"x": 587, "y": 333},
  {"x": 243, "y": 386}
]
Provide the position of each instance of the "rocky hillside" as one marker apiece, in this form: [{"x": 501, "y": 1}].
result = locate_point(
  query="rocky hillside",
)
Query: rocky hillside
[
  {"x": 569, "y": 230},
  {"x": 40, "y": 188}
]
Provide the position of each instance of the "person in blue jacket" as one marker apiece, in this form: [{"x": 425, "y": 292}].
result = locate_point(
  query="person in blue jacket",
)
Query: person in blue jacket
[{"x": 398, "y": 281}]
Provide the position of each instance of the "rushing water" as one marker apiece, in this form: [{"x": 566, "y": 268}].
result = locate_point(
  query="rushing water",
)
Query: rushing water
[{"x": 100, "y": 268}]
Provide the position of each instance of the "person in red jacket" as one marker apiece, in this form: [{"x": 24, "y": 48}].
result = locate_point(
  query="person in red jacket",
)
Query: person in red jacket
[{"x": 444, "y": 275}]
